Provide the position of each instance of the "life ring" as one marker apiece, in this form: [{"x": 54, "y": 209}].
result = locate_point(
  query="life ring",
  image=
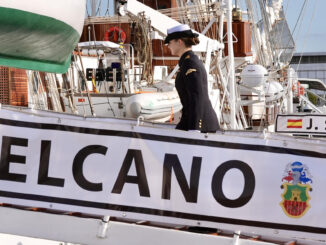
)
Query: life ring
[
  {"x": 300, "y": 89},
  {"x": 115, "y": 34}
]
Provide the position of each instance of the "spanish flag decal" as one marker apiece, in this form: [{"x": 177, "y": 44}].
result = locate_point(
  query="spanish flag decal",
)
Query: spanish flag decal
[{"x": 294, "y": 123}]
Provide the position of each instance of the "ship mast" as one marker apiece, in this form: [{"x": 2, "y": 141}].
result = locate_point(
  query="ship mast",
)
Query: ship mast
[{"x": 231, "y": 80}]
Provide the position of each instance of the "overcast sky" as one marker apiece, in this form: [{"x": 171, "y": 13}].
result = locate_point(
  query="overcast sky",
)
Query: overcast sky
[{"x": 312, "y": 34}]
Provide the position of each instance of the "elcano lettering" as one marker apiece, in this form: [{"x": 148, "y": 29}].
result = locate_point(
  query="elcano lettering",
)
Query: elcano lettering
[
  {"x": 7, "y": 157},
  {"x": 248, "y": 189},
  {"x": 171, "y": 167},
  {"x": 43, "y": 174},
  {"x": 77, "y": 167},
  {"x": 140, "y": 179},
  {"x": 190, "y": 191}
]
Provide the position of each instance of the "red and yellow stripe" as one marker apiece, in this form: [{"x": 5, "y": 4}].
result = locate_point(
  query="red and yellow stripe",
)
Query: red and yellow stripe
[{"x": 294, "y": 123}]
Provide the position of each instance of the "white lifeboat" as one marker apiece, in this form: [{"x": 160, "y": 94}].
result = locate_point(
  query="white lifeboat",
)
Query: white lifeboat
[
  {"x": 253, "y": 75},
  {"x": 273, "y": 91},
  {"x": 153, "y": 105}
]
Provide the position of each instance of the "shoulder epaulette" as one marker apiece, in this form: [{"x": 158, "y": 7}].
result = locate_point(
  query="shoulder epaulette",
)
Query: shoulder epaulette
[{"x": 190, "y": 71}]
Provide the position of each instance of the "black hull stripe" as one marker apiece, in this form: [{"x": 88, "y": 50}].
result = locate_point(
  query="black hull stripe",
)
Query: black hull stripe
[
  {"x": 301, "y": 132},
  {"x": 162, "y": 138},
  {"x": 165, "y": 213}
]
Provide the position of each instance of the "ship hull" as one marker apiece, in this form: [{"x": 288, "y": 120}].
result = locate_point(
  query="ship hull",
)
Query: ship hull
[{"x": 233, "y": 181}]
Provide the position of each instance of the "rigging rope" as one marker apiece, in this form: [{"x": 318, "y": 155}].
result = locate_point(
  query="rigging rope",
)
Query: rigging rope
[
  {"x": 98, "y": 8},
  {"x": 143, "y": 47},
  {"x": 308, "y": 30},
  {"x": 299, "y": 17},
  {"x": 107, "y": 8}
]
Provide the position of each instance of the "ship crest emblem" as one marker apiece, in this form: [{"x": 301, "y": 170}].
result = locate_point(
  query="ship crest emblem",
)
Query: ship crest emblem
[{"x": 296, "y": 184}]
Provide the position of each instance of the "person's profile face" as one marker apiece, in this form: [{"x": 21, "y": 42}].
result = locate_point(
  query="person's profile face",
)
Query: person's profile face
[{"x": 174, "y": 46}]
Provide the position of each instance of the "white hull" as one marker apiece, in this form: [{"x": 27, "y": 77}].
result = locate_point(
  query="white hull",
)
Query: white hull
[{"x": 118, "y": 168}]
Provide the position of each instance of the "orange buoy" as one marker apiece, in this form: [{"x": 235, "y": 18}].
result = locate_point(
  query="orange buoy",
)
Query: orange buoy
[{"x": 115, "y": 34}]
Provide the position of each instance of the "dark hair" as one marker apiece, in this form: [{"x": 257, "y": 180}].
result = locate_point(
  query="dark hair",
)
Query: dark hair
[{"x": 189, "y": 41}]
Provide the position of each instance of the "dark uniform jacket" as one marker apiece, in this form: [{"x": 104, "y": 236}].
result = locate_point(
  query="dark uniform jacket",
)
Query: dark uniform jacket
[{"x": 191, "y": 84}]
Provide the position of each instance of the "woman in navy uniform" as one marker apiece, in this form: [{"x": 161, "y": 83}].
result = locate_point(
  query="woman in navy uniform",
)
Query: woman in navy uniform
[{"x": 191, "y": 82}]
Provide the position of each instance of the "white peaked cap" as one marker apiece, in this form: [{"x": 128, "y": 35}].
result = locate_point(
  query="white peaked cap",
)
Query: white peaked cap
[
  {"x": 178, "y": 28},
  {"x": 179, "y": 31}
]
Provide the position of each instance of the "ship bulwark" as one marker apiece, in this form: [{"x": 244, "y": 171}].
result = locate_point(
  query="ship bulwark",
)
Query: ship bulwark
[{"x": 165, "y": 175}]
